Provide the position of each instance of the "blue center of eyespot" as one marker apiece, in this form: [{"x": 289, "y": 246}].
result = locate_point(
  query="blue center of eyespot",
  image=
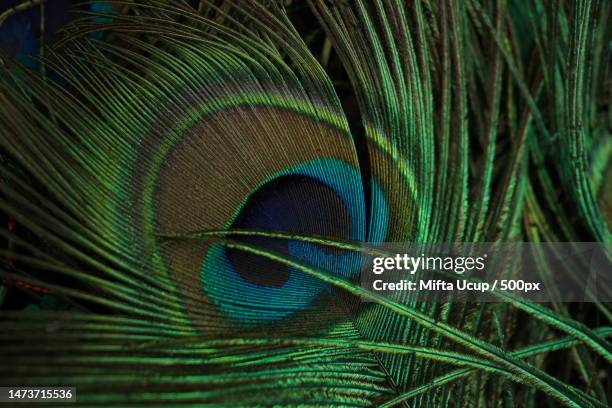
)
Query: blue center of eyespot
[
  {"x": 319, "y": 197},
  {"x": 294, "y": 203}
]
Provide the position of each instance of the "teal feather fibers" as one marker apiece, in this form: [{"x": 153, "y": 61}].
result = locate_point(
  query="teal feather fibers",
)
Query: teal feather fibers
[{"x": 192, "y": 189}]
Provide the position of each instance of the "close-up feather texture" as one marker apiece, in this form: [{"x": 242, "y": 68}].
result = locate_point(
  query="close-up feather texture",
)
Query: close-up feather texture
[{"x": 187, "y": 189}]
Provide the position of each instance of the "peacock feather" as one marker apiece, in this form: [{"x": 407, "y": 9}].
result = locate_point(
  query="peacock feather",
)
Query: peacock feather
[{"x": 188, "y": 189}]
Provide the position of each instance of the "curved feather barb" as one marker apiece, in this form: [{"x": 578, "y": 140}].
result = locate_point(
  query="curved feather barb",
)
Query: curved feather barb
[{"x": 189, "y": 189}]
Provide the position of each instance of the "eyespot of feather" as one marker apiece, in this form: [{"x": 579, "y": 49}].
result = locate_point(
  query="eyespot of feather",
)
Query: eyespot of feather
[{"x": 312, "y": 198}]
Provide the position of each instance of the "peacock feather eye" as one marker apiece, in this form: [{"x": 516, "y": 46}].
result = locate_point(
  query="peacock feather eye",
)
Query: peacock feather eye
[{"x": 232, "y": 170}]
